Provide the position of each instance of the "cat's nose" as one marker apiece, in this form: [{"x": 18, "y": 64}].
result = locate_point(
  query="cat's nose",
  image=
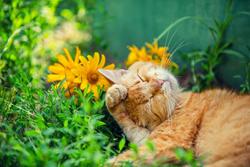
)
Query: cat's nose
[
  {"x": 157, "y": 83},
  {"x": 160, "y": 81}
]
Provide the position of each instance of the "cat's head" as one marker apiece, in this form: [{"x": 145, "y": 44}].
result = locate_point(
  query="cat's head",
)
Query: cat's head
[{"x": 152, "y": 92}]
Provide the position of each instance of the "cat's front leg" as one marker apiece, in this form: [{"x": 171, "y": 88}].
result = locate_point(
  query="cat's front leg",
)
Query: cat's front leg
[
  {"x": 181, "y": 132},
  {"x": 114, "y": 101}
]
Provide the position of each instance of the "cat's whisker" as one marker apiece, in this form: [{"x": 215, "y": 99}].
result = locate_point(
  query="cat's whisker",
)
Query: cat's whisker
[
  {"x": 176, "y": 45},
  {"x": 181, "y": 45},
  {"x": 166, "y": 39},
  {"x": 171, "y": 38}
]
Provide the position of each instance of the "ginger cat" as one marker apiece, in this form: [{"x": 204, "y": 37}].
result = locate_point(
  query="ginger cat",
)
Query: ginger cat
[{"x": 147, "y": 103}]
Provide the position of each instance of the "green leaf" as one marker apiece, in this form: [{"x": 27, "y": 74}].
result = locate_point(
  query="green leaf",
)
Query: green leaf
[
  {"x": 2, "y": 135},
  {"x": 32, "y": 133},
  {"x": 244, "y": 13},
  {"x": 49, "y": 131},
  {"x": 150, "y": 145},
  {"x": 180, "y": 153},
  {"x": 189, "y": 156},
  {"x": 2, "y": 64},
  {"x": 100, "y": 123},
  {"x": 66, "y": 123},
  {"x": 233, "y": 53},
  {"x": 134, "y": 148},
  {"x": 121, "y": 144}
]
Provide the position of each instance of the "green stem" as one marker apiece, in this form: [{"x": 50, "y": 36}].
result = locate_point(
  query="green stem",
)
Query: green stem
[{"x": 168, "y": 28}]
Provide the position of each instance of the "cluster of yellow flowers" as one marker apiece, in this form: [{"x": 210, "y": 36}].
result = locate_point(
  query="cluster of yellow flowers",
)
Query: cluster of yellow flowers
[
  {"x": 151, "y": 53},
  {"x": 82, "y": 72}
]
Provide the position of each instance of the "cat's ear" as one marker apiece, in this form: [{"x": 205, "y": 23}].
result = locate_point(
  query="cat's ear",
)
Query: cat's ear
[{"x": 113, "y": 75}]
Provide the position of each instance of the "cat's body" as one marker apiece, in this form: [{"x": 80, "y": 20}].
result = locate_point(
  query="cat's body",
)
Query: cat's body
[{"x": 148, "y": 104}]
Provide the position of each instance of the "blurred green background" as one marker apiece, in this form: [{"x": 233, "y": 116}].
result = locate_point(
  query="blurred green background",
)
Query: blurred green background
[
  {"x": 140, "y": 21},
  {"x": 136, "y": 22},
  {"x": 32, "y": 33}
]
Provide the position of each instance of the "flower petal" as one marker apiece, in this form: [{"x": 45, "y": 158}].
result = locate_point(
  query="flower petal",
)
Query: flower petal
[
  {"x": 65, "y": 85},
  {"x": 102, "y": 62},
  {"x": 56, "y": 68},
  {"x": 55, "y": 77},
  {"x": 78, "y": 53},
  {"x": 83, "y": 60},
  {"x": 132, "y": 57},
  {"x": 149, "y": 45},
  {"x": 96, "y": 58},
  {"x": 93, "y": 64},
  {"x": 63, "y": 60},
  {"x": 68, "y": 56},
  {"x": 89, "y": 57},
  {"x": 94, "y": 89},
  {"x": 78, "y": 80},
  {"x": 110, "y": 67},
  {"x": 103, "y": 82},
  {"x": 84, "y": 84}
]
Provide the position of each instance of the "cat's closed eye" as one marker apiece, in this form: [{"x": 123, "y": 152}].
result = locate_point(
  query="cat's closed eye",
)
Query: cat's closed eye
[{"x": 140, "y": 77}]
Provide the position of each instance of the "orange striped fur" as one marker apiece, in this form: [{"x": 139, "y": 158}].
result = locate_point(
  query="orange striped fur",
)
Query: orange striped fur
[{"x": 148, "y": 104}]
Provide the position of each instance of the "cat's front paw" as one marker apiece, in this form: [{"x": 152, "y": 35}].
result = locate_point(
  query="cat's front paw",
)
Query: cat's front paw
[{"x": 115, "y": 95}]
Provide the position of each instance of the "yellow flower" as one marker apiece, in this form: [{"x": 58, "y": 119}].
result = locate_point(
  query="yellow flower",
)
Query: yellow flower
[
  {"x": 62, "y": 71},
  {"x": 152, "y": 53},
  {"x": 155, "y": 50},
  {"x": 166, "y": 62},
  {"x": 133, "y": 55},
  {"x": 137, "y": 54},
  {"x": 87, "y": 73},
  {"x": 143, "y": 55},
  {"x": 80, "y": 72}
]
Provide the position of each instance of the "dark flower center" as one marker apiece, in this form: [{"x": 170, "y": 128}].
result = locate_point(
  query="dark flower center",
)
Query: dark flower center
[{"x": 92, "y": 78}]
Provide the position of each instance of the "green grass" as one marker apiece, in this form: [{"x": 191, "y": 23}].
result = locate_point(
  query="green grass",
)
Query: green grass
[{"x": 44, "y": 128}]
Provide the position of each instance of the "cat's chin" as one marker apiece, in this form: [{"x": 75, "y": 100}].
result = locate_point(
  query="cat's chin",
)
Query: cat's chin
[
  {"x": 170, "y": 84},
  {"x": 167, "y": 86}
]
